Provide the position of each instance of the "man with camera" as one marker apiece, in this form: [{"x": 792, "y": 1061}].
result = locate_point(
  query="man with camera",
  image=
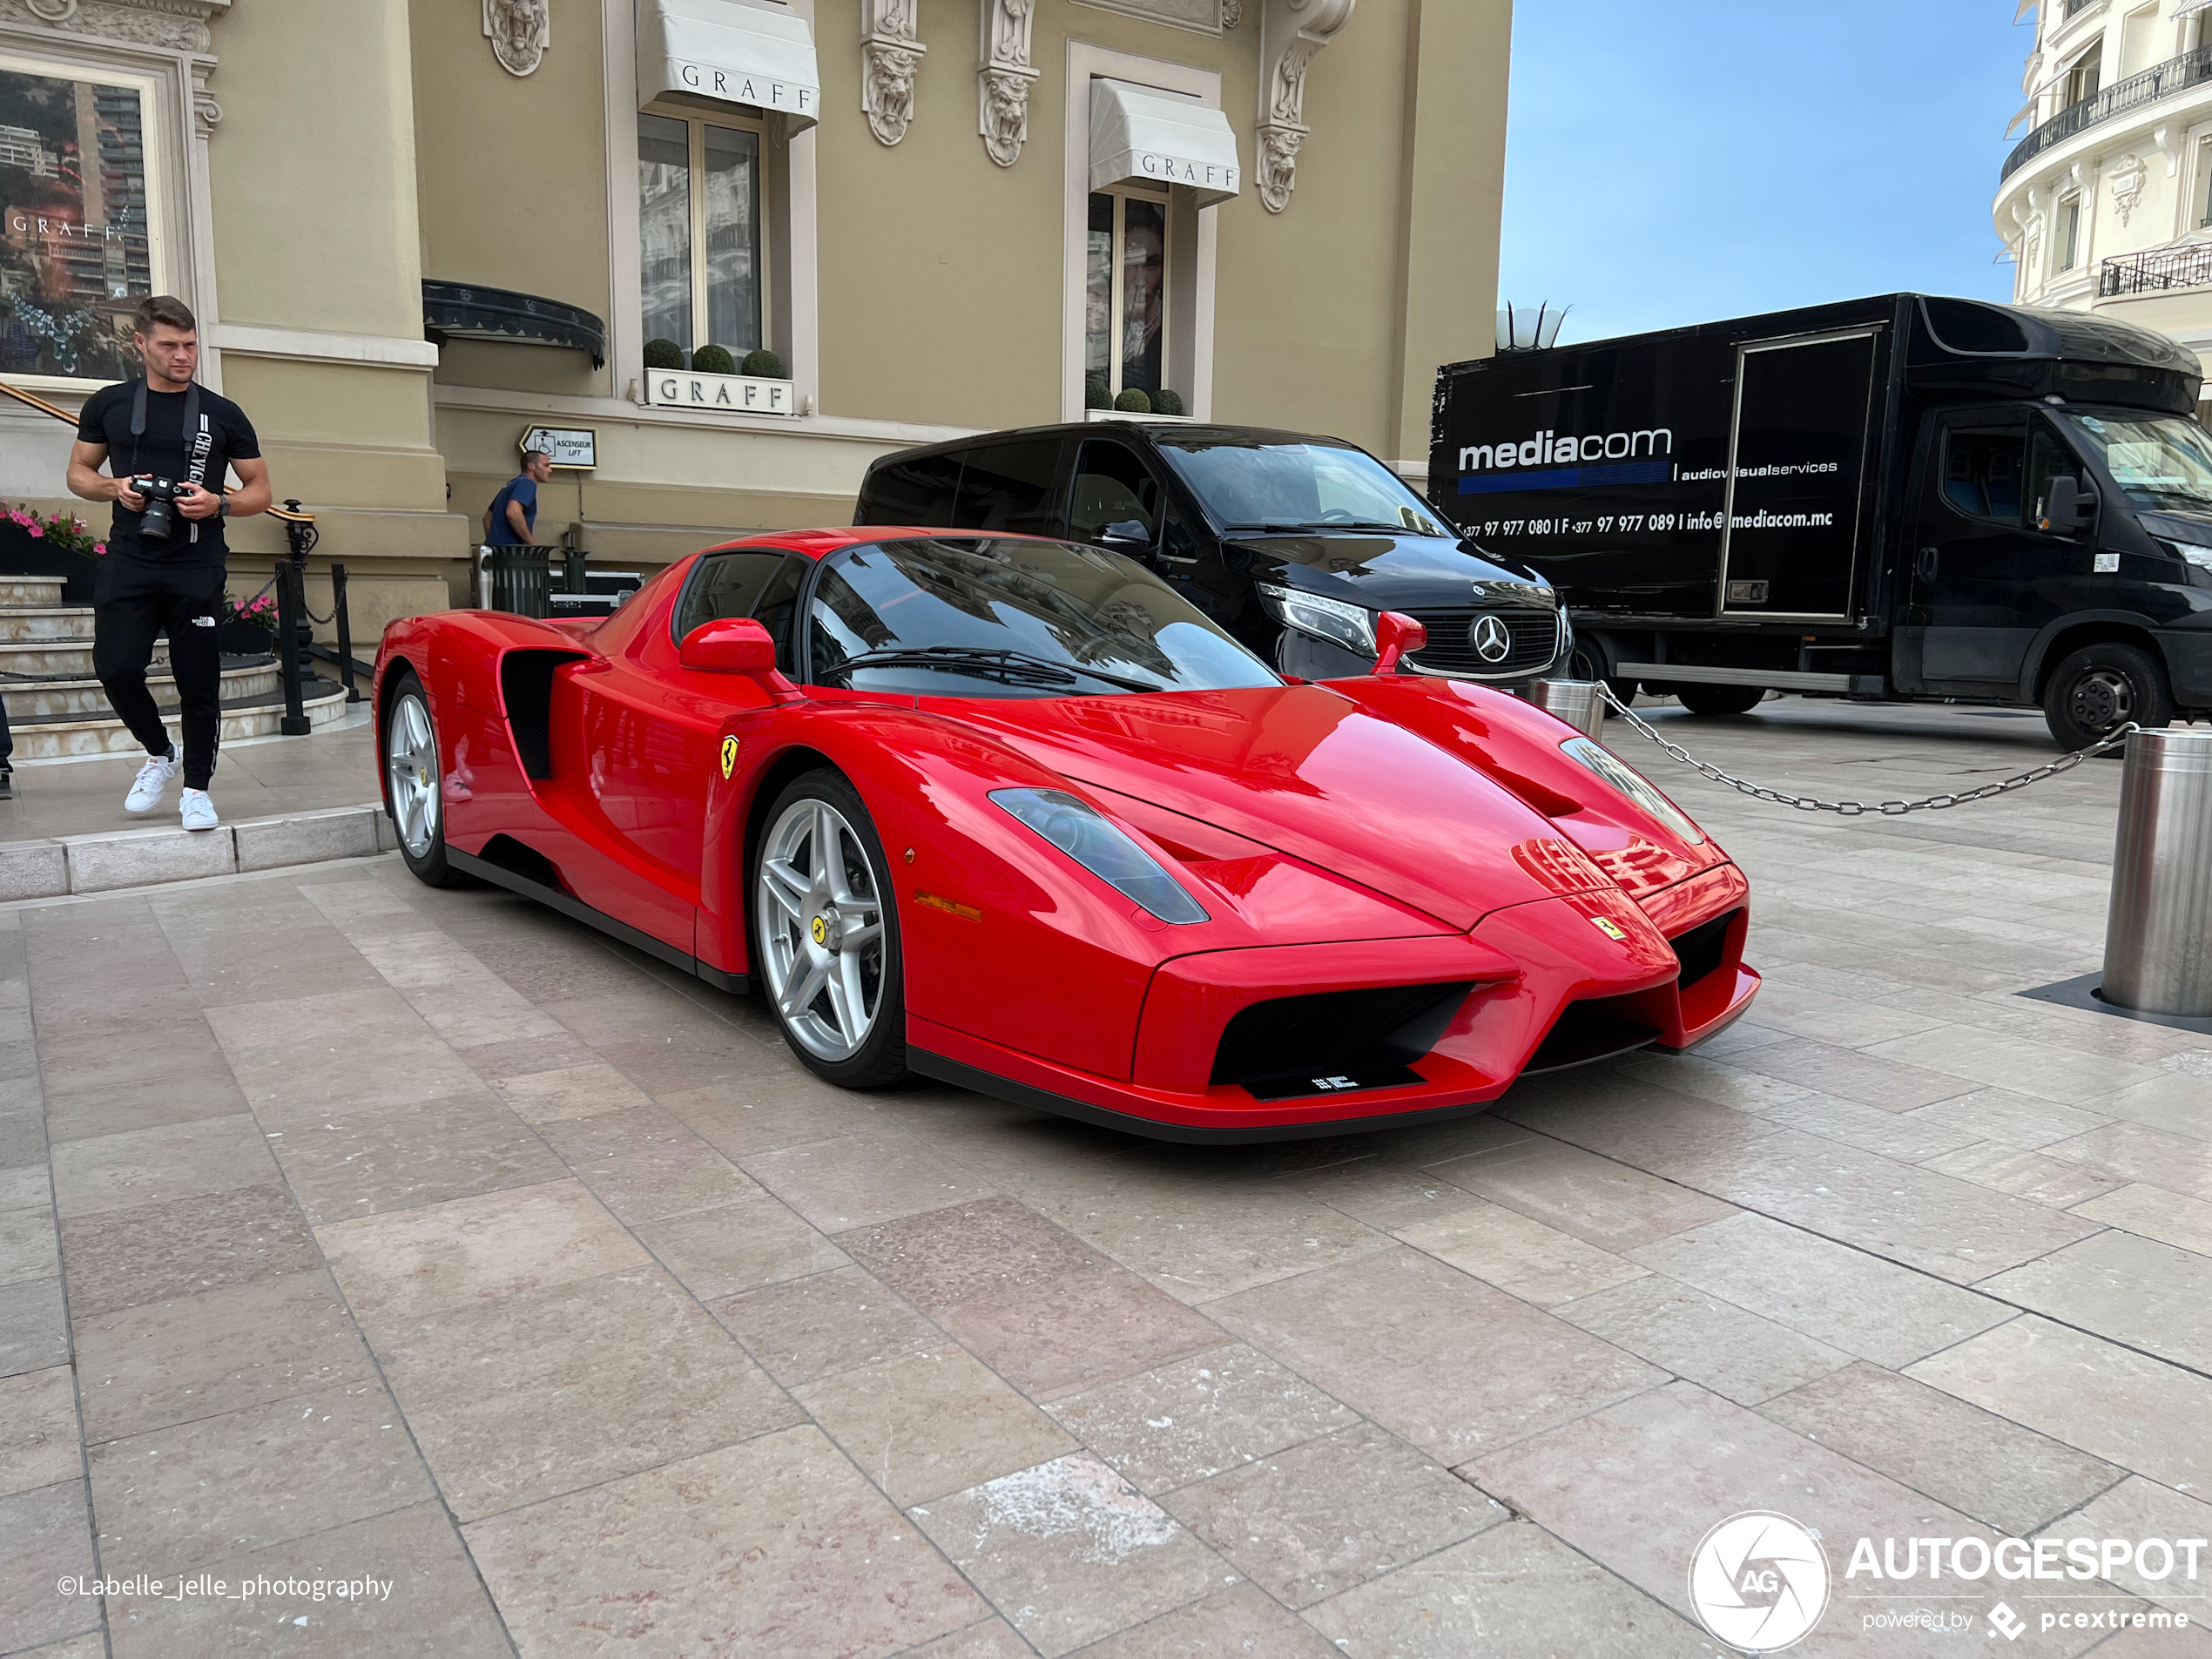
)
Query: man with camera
[{"x": 168, "y": 444}]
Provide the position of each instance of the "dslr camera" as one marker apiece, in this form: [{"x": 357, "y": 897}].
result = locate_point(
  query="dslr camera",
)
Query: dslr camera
[{"x": 160, "y": 521}]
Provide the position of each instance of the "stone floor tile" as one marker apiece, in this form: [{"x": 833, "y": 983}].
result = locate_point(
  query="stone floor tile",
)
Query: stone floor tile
[
  {"x": 49, "y": 1537},
  {"x": 2015, "y": 1063},
  {"x": 802, "y": 1330},
  {"x": 1653, "y": 1130},
  {"x": 770, "y": 1112},
  {"x": 380, "y": 1159},
  {"x": 1910, "y": 1137},
  {"x": 598, "y": 1379},
  {"x": 167, "y": 1362},
  {"x": 1240, "y": 1621},
  {"x": 646, "y": 1166},
  {"x": 26, "y": 1187},
  {"x": 924, "y": 1425},
  {"x": 1183, "y": 1422},
  {"x": 190, "y": 1094},
  {"x": 1714, "y": 1343},
  {"x": 1533, "y": 1261},
  {"x": 320, "y": 1056},
  {"x": 30, "y": 1245},
  {"x": 2012, "y": 1119},
  {"x": 744, "y": 1244},
  {"x": 2133, "y": 1153},
  {"x": 37, "y": 1430},
  {"x": 427, "y": 1599},
  {"x": 22, "y": 1131},
  {"x": 2154, "y": 1213},
  {"x": 560, "y": 968},
  {"x": 747, "y": 1549},
  {"x": 1385, "y": 1193},
  {"x": 158, "y": 1165},
  {"x": 202, "y": 1491},
  {"x": 940, "y": 1258},
  {"x": 2128, "y": 1408},
  {"x": 1312, "y": 1522},
  {"x": 511, "y": 1058},
  {"x": 474, "y": 1251},
  {"x": 2036, "y": 1177},
  {"x": 2135, "y": 1509},
  {"x": 2173, "y": 1103},
  {"x": 861, "y": 1180},
  {"x": 992, "y": 1639},
  {"x": 1705, "y": 1076},
  {"x": 1845, "y": 1297},
  {"x": 1873, "y": 1077},
  {"x": 1604, "y": 1202},
  {"x": 1973, "y": 1460},
  {"x": 564, "y": 1092},
  {"x": 1442, "y": 1360},
  {"x": 1069, "y": 1552},
  {"x": 1513, "y": 1589},
  {"x": 123, "y": 1258},
  {"x": 2136, "y": 1291},
  {"x": 1078, "y": 1330},
  {"x": 34, "y": 1330},
  {"x": 1844, "y": 1021}
]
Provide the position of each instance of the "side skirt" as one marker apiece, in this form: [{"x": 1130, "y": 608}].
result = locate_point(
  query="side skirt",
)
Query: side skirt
[{"x": 577, "y": 910}]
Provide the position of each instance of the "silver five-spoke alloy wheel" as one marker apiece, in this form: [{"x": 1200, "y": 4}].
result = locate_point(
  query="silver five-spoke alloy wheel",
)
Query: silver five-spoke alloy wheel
[
  {"x": 411, "y": 765},
  {"x": 820, "y": 921}
]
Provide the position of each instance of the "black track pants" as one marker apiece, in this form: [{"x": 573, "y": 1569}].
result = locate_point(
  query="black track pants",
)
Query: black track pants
[{"x": 134, "y": 602}]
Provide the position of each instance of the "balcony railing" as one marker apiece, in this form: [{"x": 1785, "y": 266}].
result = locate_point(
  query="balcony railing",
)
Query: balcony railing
[
  {"x": 2155, "y": 269},
  {"x": 2190, "y": 69}
]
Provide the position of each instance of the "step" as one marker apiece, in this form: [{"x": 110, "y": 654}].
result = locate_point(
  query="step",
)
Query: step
[
  {"x": 57, "y": 659},
  {"x": 258, "y": 717},
  {"x": 39, "y": 701},
  {"x": 46, "y": 621},
  {"x": 119, "y": 860},
  {"x": 41, "y": 592}
]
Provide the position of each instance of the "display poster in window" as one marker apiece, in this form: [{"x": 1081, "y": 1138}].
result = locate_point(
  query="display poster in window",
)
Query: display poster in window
[{"x": 75, "y": 253}]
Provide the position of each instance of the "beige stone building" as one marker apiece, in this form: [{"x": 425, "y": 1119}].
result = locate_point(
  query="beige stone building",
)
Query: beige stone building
[{"x": 414, "y": 232}]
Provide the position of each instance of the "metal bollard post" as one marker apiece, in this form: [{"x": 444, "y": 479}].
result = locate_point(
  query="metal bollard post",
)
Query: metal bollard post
[
  {"x": 1575, "y": 702},
  {"x": 345, "y": 631},
  {"x": 294, "y": 722},
  {"x": 2158, "y": 933}
]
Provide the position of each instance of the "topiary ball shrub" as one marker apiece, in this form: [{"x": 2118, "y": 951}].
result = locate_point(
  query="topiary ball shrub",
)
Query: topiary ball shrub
[
  {"x": 1167, "y": 402},
  {"x": 663, "y": 354},
  {"x": 765, "y": 365},
  {"x": 1098, "y": 394},
  {"x": 713, "y": 360},
  {"x": 1134, "y": 401}
]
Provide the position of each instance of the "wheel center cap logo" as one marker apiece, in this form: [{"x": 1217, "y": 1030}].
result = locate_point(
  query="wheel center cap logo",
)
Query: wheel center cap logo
[
  {"x": 820, "y": 931},
  {"x": 1759, "y": 1582},
  {"x": 1490, "y": 639}
]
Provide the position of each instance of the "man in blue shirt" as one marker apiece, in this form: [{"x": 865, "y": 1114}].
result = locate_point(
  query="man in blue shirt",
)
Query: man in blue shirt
[{"x": 511, "y": 520}]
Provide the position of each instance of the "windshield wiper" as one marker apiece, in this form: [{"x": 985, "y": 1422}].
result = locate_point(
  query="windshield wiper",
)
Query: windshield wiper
[
  {"x": 1272, "y": 528},
  {"x": 975, "y": 659}
]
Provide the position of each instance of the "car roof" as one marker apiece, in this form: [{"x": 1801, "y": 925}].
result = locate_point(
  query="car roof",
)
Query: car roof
[{"x": 1155, "y": 430}]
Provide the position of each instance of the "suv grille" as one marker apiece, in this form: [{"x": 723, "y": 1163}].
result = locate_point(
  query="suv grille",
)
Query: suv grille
[{"x": 1532, "y": 636}]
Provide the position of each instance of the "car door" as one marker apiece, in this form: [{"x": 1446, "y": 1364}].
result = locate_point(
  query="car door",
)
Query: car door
[
  {"x": 1011, "y": 487},
  {"x": 1114, "y": 500},
  {"x": 1979, "y": 567}
]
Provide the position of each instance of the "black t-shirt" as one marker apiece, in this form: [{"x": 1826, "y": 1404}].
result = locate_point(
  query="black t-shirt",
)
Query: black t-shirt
[{"x": 161, "y": 451}]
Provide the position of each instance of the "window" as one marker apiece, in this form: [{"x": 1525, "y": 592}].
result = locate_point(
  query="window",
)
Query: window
[
  {"x": 2082, "y": 76},
  {"x": 2204, "y": 180},
  {"x": 76, "y": 251},
  {"x": 1125, "y": 293},
  {"x": 1247, "y": 484},
  {"x": 727, "y": 584},
  {"x": 699, "y": 217},
  {"x": 1114, "y": 491},
  {"x": 1009, "y": 487},
  {"x": 918, "y": 490},
  {"x": 2069, "y": 232},
  {"x": 2049, "y": 456},
  {"x": 1981, "y": 473}
]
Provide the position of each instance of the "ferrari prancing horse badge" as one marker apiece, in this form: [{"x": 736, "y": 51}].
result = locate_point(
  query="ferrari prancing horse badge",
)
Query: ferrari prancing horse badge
[{"x": 729, "y": 757}]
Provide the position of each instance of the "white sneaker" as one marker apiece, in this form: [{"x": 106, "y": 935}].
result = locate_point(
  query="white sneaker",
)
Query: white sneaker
[
  {"x": 199, "y": 810},
  {"x": 152, "y": 782}
]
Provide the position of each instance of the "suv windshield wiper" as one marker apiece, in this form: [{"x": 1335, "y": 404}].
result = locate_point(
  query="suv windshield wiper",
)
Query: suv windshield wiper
[{"x": 1011, "y": 665}]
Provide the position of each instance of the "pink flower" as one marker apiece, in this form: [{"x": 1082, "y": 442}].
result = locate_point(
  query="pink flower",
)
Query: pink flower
[
  {"x": 100, "y": 546},
  {"x": 35, "y": 530}
]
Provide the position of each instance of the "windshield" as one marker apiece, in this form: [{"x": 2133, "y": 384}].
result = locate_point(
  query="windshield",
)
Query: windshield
[
  {"x": 1249, "y": 484},
  {"x": 2157, "y": 460},
  {"x": 1005, "y": 617}
]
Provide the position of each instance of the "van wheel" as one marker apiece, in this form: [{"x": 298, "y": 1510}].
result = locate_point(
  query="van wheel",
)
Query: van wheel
[
  {"x": 2102, "y": 686},
  {"x": 1590, "y": 660},
  {"x": 1719, "y": 700}
]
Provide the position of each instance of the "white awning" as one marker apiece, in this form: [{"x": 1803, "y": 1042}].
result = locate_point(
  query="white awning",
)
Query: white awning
[
  {"x": 2187, "y": 6},
  {"x": 755, "y": 52},
  {"x": 1143, "y": 134}
]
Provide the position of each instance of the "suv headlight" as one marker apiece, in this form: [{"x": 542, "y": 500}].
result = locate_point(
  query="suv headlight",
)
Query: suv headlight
[
  {"x": 1087, "y": 836},
  {"x": 1629, "y": 781},
  {"x": 2195, "y": 553},
  {"x": 1349, "y": 626}
]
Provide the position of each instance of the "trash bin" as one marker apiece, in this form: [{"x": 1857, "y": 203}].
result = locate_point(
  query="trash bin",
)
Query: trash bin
[
  {"x": 2158, "y": 933},
  {"x": 522, "y": 580},
  {"x": 1575, "y": 702}
]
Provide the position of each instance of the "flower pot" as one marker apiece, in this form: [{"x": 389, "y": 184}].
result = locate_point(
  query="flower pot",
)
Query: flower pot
[{"x": 244, "y": 639}]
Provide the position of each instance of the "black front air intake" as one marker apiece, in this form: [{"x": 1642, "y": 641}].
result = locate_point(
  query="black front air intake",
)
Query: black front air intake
[
  {"x": 1335, "y": 1041},
  {"x": 1701, "y": 949}
]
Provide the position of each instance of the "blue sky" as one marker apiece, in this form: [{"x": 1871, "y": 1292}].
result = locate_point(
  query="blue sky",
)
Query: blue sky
[{"x": 1669, "y": 164}]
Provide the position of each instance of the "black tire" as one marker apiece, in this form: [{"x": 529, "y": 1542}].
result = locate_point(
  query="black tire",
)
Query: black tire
[
  {"x": 1719, "y": 700},
  {"x": 2102, "y": 686},
  {"x": 880, "y": 1058},
  {"x": 1588, "y": 660},
  {"x": 426, "y": 858}
]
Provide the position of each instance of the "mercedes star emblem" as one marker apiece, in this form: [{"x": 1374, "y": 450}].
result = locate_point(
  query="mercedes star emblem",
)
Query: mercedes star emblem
[{"x": 1490, "y": 639}]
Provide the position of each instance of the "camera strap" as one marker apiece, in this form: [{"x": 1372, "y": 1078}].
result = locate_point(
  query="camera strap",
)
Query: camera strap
[{"x": 196, "y": 452}]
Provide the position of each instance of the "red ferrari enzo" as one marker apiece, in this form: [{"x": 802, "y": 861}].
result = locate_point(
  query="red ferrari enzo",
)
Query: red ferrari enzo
[{"x": 1012, "y": 813}]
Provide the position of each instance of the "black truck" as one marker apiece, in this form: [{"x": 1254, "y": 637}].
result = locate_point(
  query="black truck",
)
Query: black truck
[{"x": 1899, "y": 497}]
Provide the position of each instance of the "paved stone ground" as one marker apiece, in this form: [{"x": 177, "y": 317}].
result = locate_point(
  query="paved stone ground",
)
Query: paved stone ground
[{"x": 353, "y": 1229}]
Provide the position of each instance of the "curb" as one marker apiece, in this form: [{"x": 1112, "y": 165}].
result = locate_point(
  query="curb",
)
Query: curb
[{"x": 73, "y": 864}]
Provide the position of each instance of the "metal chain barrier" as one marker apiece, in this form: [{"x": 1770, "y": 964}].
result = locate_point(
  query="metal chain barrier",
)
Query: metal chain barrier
[{"x": 1859, "y": 808}]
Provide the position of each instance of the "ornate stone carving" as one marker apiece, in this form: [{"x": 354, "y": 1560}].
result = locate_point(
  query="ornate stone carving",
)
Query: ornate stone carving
[
  {"x": 890, "y": 56},
  {"x": 177, "y": 25},
  {"x": 520, "y": 31},
  {"x": 1232, "y": 13},
  {"x": 2127, "y": 176},
  {"x": 1292, "y": 32},
  {"x": 1202, "y": 16},
  {"x": 1005, "y": 77},
  {"x": 52, "y": 10}
]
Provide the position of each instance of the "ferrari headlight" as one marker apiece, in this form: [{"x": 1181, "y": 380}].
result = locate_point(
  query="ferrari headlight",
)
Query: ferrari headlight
[
  {"x": 1629, "y": 781},
  {"x": 1349, "y": 626},
  {"x": 1078, "y": 830}
]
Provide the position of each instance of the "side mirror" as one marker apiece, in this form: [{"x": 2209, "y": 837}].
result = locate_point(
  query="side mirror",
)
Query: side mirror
[
  {"x": 1397, "y": 637},
  {"x": 737, "y": 645},
  {"x": 1127, "y": 532},
  {"x": 2069, "y": 508}
]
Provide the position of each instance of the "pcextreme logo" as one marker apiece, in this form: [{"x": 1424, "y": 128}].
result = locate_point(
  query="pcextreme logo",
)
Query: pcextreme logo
[{"x": 1759, "y": 1582}]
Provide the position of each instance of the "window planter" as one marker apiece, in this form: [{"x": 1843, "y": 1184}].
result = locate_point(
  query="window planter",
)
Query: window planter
[
  {"x": 1123, "y": 414},
  {"x": 685, "y": 389}
]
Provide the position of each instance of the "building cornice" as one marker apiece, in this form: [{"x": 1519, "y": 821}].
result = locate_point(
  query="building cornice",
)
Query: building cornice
[{"x": 178, "y": 25}]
